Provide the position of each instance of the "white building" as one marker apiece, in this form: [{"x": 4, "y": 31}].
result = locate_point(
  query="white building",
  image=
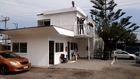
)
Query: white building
[{"x": 57, "y": 33}]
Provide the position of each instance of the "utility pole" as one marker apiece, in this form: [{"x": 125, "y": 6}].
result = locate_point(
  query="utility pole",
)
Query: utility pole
[{"x": 5, "y": 19}]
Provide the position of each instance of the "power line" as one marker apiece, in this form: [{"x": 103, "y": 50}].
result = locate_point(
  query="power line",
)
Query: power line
[
  {"x": 23, "y": 3},
  {"x": 19, "y": 5},
  {"x": 31, "y": 14},
  {"x": 31, "y": 4},
  {"x": 136, "y": 3}
]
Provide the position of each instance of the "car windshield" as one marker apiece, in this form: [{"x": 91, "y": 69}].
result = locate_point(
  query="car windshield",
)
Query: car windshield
[{"x": 9, "y": 55}]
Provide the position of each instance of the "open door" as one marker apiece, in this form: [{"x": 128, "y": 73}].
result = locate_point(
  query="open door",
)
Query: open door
[{"x": 51, "y": 52}]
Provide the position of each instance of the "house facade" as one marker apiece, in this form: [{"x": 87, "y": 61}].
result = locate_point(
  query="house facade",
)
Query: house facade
[{"x": 57, "y": 33}]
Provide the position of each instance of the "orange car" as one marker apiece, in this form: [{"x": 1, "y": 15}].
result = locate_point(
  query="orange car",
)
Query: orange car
[{"x": 11, "y": 62}]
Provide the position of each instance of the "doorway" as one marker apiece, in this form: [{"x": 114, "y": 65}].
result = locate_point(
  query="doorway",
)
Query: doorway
[
  {"x": 68, "y": 43},
  {"x": 51, "y": 52}
]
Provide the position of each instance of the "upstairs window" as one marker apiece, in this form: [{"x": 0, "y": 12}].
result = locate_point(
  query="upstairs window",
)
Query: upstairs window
[{"x": 45, "y": 22}]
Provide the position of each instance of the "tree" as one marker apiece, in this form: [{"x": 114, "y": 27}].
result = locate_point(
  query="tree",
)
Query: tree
[{"x": 110, "y": 25}]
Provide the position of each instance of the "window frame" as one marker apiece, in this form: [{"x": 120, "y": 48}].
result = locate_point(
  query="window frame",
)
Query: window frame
[
  {"x": 19, "y": 47},
  {"x": 16, "y": 47},
  {"x": 59, "y": 47},
  {"x": 56, "y": 47}
]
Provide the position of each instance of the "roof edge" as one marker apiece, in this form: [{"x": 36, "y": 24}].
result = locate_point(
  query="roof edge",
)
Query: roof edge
[{"x": 71, "y": 9}]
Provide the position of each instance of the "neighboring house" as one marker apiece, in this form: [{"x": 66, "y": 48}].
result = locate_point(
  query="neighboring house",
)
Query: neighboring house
[
  {"x": 4, "y": 41},
  {"x": 57, "y": 33},
  {"x": 131, "y": 48}
]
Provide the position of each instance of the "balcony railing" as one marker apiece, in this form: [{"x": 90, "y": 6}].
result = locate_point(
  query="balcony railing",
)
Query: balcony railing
[{"x": 83, "y": 30}]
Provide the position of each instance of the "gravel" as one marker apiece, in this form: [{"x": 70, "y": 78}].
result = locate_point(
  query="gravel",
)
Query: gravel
[{"x": 123, "y": 69}]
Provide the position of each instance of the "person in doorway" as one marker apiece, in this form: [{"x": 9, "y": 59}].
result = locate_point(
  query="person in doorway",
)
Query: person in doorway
[{"x": 81, "y": 22}]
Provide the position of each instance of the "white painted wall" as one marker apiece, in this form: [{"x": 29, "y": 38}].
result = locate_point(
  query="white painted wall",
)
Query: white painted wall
[
  {"x": 82, "y": 47},
  {"x": 37, "y": 49},
  {"x": 82, "y": 43},
  {"x": 60, "y": 40},
  {"x": 65, "y": 20}
]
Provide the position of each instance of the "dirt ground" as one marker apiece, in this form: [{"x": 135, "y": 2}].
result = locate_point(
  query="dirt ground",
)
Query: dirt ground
[{"x": 123, "y": 69}]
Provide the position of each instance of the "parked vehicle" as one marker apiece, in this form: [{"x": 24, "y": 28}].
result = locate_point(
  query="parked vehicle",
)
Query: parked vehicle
[
  {"x": 138, "y": 58},
  {"x": 124, "y": 54},
  {"x": 11, "y": 62}
]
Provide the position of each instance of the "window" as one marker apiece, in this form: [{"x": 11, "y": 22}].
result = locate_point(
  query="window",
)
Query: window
[
  {"x": 15, "y": 47},
  {"x": 75, "y": 47},
  {"x": 124, "y": 53},
  {"x": 119, "y": 52},
  {"x": 23, "y": 47},
  {"x": 59, "y": 47},
  {"x": 19, "y": 47},
  {"x": 72, "y": 46},
  {"x": 45, "y": 22}
]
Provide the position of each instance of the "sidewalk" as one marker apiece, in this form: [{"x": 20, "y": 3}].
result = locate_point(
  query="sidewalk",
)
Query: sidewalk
[{"x": 94, "y": 64}]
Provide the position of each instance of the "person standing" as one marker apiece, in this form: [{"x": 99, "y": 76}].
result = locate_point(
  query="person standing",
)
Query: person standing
[{"x": 81, "y": 22}]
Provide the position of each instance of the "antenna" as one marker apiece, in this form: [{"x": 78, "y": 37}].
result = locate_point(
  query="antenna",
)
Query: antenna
[{"x": 73, "y": 4}]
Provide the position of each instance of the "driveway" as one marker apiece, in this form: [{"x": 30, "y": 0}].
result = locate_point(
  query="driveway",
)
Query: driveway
[
  {"x": 93, "y": 64},
  {"x": 123, "y": 69}
]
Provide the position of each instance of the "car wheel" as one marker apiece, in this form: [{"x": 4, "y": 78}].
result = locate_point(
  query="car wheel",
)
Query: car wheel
[
  {"x": 131, "y": 57},
  {"x": 4, "y": 70}
]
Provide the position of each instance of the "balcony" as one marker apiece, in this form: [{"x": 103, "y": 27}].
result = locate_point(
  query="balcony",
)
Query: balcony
[{"x": 86, "y": 31}]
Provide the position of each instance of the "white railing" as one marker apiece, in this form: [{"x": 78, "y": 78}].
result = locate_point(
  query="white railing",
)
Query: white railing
[{"x": 83, "y": 30}]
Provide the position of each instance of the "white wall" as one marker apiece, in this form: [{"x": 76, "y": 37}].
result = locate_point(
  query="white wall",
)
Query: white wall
[
  {"x": 60, "y": 40},
  {"x": 65, "y": 20},
  {"x": 82, "y": 47},
  {"x": 37, "y": 49}
]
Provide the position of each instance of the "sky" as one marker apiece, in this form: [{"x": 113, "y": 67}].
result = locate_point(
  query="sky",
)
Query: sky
[{"x": 24, "y": 12}]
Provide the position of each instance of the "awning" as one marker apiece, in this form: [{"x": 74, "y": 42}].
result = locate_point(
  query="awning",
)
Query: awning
[{"x": 47, "y": 30}]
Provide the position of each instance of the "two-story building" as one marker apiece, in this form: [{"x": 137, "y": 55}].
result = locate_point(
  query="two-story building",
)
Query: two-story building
[{"x": 57, "y": 33}]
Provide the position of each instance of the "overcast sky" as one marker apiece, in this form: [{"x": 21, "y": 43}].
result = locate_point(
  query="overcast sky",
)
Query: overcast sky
[{"x": 24, "y": 12}]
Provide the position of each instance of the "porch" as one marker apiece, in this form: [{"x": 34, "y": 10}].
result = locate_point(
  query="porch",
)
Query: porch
[
  {"x": 83, "y": 30},
  {"x": 94, "y": 64}
]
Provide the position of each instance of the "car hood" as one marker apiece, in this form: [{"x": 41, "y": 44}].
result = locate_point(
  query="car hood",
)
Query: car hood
[{"x": 21, "y": 59}]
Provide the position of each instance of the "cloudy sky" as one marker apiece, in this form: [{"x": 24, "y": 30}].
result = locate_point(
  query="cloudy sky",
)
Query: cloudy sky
[{"x": 24, "y": 12}]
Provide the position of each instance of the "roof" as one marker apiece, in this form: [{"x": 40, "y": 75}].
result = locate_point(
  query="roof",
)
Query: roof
[
  {"x": 47, "y": 30},
  {"x": 72, "y": 9}
]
